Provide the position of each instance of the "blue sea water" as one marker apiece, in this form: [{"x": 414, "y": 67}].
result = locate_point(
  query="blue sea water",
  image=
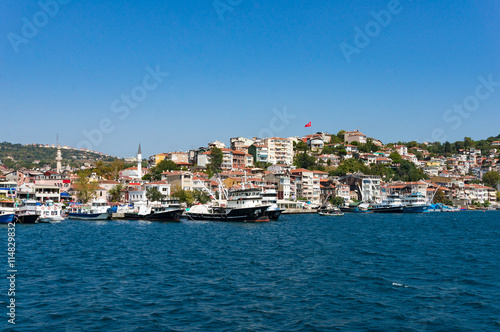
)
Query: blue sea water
[{"x": 411, "y": 272}]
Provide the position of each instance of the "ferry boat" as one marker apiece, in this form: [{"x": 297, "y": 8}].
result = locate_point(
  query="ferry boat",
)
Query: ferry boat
[
  {"x": 98, "y": 210},
  {"x": 270, "y": 197},
  {"x": 50, "y": 213},
  {"x": 415, "y": 203},
  {"x": 28, "y": 212},
  {"x": 392, "y": 204},
  {"x": 167, "y": 210},
  {"x": 242, "y": 205}
]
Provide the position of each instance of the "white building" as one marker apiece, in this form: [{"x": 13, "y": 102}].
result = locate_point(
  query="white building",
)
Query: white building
[{"x": 280, "y": 150}]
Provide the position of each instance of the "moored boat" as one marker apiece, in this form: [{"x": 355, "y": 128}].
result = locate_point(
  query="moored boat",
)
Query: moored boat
[
  {"x": 392, "y": 204},
  {"x": 357, "y": 208},
  {"x": 169, "y": 210},
  {"x": 415, "y": 203},
  {"x": 98, "y": 210},
  {"x": 244, "y": 205},
  {"x": 6, "y": 218},
  {"x": 331, "y": 212},
  {"x": 50, "y": 213},
  {"x": 270, "y": 197},
  {"x": 28, "y": 212}
]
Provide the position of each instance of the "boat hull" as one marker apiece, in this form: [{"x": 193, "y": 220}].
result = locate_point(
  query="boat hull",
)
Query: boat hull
[
  {"x": 354, "y": 210},
  {"x": 90, "y": 216},
  {"x": 7, "y": 218},
  {"x": 327, "y": 214},
  {"x": 49, "y": 220},
  {"x": 27, "y": 219},
  {"x": 416, "y": 209},
  {"x": 390, "y": 209},
  {"x": 274, "y": 214},
  {"x": 171, "y": 215}
]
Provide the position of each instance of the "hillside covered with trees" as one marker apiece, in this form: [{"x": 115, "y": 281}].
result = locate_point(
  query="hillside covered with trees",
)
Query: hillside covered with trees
[{"x": 30, "y": 156}]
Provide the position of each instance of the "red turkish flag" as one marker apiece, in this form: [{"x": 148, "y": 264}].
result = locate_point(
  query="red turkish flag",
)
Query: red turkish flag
[{"x": 308, "y": 125}]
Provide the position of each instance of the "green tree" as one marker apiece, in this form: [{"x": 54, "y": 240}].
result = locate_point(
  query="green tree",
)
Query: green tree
[
  {"x": 328, "y": 149},
  {"x": 491, "y": 179},
  {"x": 396, "y": 157},
  {"x": 216, "y": 158},
  {"x": 201, "y": 196},
  {"x": 337, "y": 201},
  {"x": 184, "y": 196},
  {"x": 340, "y": 135},
  {"x": 163, "y": 166},
  {"x": 350, "y": 166},
  {"x": 301, "y": 146},
  {"x": 115, "y": 193},
  {"x": 407, "y": 171},
  {"x": 115, "y": 168},
  {"x": 153, "y": 194},
  {"x": 303, "y": 160},
  {"x": 85, "y": 189},
  {"x": 439, "y": 197},
  {"x": 383, "y": 171},
  {"x": 468, "y": 143}
]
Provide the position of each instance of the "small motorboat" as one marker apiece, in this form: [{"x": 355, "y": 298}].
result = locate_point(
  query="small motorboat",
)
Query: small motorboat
[{"x": 335, "y": 212}]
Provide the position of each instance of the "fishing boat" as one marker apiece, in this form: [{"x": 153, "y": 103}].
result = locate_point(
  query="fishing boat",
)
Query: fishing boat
[
  {"x": 244, "y": 205},
  {"x": 6, "y": 218},
  {"x": 166, "y": 210},
  {"x": 270, "y": 197},
  {"x": 7, "y": 212},
  {"x": 391, "y": 204},
  {"x": 415, "y": 203},
  {"x": 98, "y": 210}
]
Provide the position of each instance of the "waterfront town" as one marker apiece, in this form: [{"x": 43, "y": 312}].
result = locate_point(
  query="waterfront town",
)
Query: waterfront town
[{"x": 304, "y": 172}]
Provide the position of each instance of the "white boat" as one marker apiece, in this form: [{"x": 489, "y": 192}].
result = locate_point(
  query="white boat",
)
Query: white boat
[
  {"x": 28, "y": 212},
  {"x": 50, "y": 212},
  {"x": 270, "y": 197},
  {"x": 331, "y": 213},
  {"x": 391, "y": 204},
  {"x": 415, "y": 203}
]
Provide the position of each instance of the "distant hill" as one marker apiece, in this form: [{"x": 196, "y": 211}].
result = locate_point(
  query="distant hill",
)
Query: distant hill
[{"x": 32, "y": 156}]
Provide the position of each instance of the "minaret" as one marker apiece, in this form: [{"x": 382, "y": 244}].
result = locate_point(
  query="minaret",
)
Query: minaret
[
  {"x": 59, "y": 157},
  {"x": 139, "y": 162}
]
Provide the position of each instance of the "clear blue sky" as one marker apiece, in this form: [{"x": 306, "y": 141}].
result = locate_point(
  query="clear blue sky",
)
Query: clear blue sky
[{"x": 226, "y": 76}]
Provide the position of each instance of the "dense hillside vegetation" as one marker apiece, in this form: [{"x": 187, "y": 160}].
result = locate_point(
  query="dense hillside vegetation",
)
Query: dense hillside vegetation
[{"x": 29, "y": 156}]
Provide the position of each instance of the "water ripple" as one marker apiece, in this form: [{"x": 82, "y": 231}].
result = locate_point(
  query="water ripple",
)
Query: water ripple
[{"x": 435, "y": 272}]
